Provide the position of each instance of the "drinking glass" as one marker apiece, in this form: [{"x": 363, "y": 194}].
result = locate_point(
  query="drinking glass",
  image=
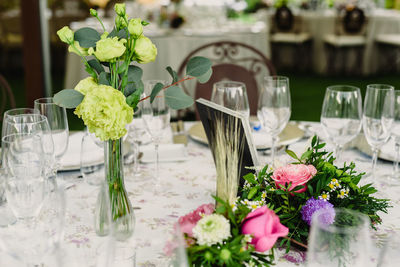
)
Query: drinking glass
[
  {"x": 137, "y": 135},
  {"x": 232, "y": 95},
  {"x": 339, "y": 237},
  {"x": 92, "y": 170},
  {"x": 22, "y": 156},
  {"x": 378, "y": 117},
  {"x": 58, "y": 121},
  {"x": 341, "y": 114},
  {"x": 16, "y": 112},
  {"x": 395, "y": 134},
  {"x": 274, "y": 107},
  {"x": 156, "y": 117}
]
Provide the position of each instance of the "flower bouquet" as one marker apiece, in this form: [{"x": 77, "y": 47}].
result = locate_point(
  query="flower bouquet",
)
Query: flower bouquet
[
  {"x": 311, "y": 183},
  {"x": 107, "y": 99}
]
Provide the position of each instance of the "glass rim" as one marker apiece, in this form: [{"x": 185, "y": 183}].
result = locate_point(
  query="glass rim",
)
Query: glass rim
[
  {"x": 343, "y": 88},
  {"x": 44, "y": 101},
  {"x": 42, "y": 117},
  {"x": 380, "y": 86},
  {"x": 276, "y": 78},
  {"x": 34, "y": 110},
  {"x": 4, "y": 138},
  {"x": 335, "y": 229},
  {"x": 216, "y": 84}
]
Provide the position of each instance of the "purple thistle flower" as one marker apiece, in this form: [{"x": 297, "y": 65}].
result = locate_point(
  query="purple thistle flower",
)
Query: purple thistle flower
[{"x": 312, "y": 205}]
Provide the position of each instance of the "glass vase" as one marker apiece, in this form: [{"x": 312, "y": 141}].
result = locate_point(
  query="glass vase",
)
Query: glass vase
[{"x": 123, "y": 218}]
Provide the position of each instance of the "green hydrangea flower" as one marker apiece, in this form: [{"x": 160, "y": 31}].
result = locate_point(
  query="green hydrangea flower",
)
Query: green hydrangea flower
[
  {"x": 105, "y": 112},
  {"x": 66, "y": 35},
  {"x": 108, "y": 49},
  {"x": 135, "y": 27},
  {"x": 86, "y": 85},
  {"x": 83, "y": 51},
  {"x": 145, "y": 50}
]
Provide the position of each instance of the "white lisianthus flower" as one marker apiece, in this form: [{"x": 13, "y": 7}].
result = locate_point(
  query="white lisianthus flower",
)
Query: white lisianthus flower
[{"x": 212, "y": 229}]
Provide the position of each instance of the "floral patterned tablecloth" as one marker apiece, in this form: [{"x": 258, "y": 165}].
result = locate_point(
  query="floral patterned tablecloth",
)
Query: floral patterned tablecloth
[{"x": 184, "y": 186}]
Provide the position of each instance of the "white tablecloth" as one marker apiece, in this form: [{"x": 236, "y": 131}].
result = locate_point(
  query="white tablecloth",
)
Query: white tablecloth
[{"x": 186, "y": 185}]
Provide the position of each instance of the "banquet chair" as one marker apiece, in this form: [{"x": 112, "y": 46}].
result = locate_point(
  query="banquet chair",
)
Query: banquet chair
[
  {"x": 7, "y": 99},
  {"x": 389, "y": 51},
  {"x": 349, "y": 36},
  {"x": 231, "y": 61},
  {"x": 11, "y": 38},
  {"x": 288, "y": 31}
]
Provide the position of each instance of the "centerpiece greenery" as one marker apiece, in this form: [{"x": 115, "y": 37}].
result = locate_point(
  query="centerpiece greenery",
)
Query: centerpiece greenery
[
  {"x": 276, "y": 204},
  {"x": 107, "y": 99}
]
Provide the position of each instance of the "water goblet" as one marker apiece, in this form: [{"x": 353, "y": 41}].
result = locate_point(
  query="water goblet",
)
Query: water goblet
[
  {"x": 156, "y": 118},
  {"x": 15, "y": 113},
  {"x": 274, "y": 108},
  {"x": 339, "y": 237},
  {"x": 341, "y": 115},
  {"x": 58, "y": 121},
  {"x": 232, "y": 95},
  {"x": 378, "y": 117}
]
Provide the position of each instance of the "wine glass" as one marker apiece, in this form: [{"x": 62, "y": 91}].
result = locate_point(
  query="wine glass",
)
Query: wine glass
[
  {"x": 274, "y": 107},
  {"x": 339, "y": 237},
  {"x": 58, "y": 121},
  {"x": 22, "y": 156},
  {"x": 232, "y": 95},
  {"x": 395, "y": 133},
  {"x": 156, "y": 117},
  {"x": 378, "y": 117},
  {"x": 15, "y": 113},
  {"x": 137, "y": 135},
  {"x": 341, "y": 114}
]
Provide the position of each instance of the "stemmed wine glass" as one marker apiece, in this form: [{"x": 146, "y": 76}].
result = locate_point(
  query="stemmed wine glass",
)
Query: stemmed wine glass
[
  {"x": 232, "y": 95},
  {"x": 395, "y": 134},
  {"x": 136, "y": 134},
  {"x": 156, "y": 117},
  {"x": 274, "y": 107},
  {"x": 58, "y": 121},
  {"x": 339, "y": 237},
  {"x": 378, "y": 117},
  {"x": 341, "y": 114},
  {"x": 15, "y": 113}
]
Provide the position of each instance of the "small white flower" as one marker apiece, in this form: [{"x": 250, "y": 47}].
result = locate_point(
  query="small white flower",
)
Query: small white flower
[
  {"x": 247, "y": 238},
  {"x": 263, "y": 194},
  {"x": 324, "y": 196},
  {"x": 212, "y": 229}
]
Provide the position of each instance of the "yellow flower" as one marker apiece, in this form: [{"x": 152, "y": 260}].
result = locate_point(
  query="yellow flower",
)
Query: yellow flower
[
  {"x": 145, "y": 50},
  {"x": 135, "y": 27},
  {"x": 108, "y": 49},
  {"x": 86, "y": 85},
  {"x": 66, "y": 35},
  {"x": 105, "y": 112},
  {"x": 82, "y": 51},
  {"x": 334, "y": 180},
  {"x": 331, "y": 186}
]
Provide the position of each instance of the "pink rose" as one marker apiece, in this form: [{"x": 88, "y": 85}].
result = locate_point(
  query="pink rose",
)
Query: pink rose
[
  {"x": 190, "y": 220},
  {"x": 265, "y": 227},
  {"x": 297, "y": 174}
]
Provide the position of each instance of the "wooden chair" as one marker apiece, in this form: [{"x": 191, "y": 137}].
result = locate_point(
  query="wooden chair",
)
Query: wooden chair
[
  {"x": 7, "y": 99},
  {"x": 350, "y": 30},
  {"x": 389, "y": 51},
  {"x": 231, "y": 61},
  {"x": 288, "y": 31}
]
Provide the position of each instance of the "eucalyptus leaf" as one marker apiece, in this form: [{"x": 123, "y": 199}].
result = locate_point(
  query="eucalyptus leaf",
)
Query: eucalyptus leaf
[
  {"x": 104, "y": 78},
  {"x": 173, "y": 74},
  {"x": 134, "y": 73},
  {"x": 154, "y": 92},
  {"x": 205, "y": 77},
  {"x": 87, "y": 37},
  {"x": 95, "y": 64},
  {"x": 91, "y": 72},
  {"x": 122, "y": 68},
  {"x": 68, "y": 98},
  {"x": 176, "y": 98},
  {"x": 133, "y": 99},
  {"x": 198, "y": 66}
]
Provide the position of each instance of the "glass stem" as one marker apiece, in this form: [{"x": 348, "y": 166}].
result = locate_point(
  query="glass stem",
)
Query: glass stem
[
  {"x": 338, "y": 152},
  {"x": 396, "y": 162},
  {"x": 136, "y": 168},
  {"x": 157, "y": 160},
  {"x": 374, "y": 160},
  {"x": 273, "y": 149}
]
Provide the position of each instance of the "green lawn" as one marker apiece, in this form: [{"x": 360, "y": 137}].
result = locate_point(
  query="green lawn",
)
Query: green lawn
[{"x": 307, "y": 92}]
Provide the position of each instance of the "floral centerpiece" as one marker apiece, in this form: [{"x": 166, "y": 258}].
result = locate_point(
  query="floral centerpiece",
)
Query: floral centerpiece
[
  {"x": 107, "y": 99},
  {"x": 277, "y": 204}
]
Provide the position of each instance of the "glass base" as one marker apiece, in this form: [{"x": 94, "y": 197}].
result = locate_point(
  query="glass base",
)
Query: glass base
[{"x": 6, "y": 216}]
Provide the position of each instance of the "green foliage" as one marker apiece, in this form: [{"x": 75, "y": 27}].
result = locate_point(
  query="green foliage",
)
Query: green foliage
[
  {"x": 176, "y": 98},
  {"x": 287, "y": 204},
  {"x": 173, "y": 74},
  {"x": 234, "y": 251},
  {"x": 68, "y": 98},
  {"x": 156, "y": 89},
  {"x": 198, "y": 66},
  {"x": 87, "y": 37}
]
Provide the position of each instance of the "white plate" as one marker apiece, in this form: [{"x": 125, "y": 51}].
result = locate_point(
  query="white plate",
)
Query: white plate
[
  {"x": 167, "y": 153},
  {"x": 291, "y": 134},
  {"x": 387, "y": 151}
]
